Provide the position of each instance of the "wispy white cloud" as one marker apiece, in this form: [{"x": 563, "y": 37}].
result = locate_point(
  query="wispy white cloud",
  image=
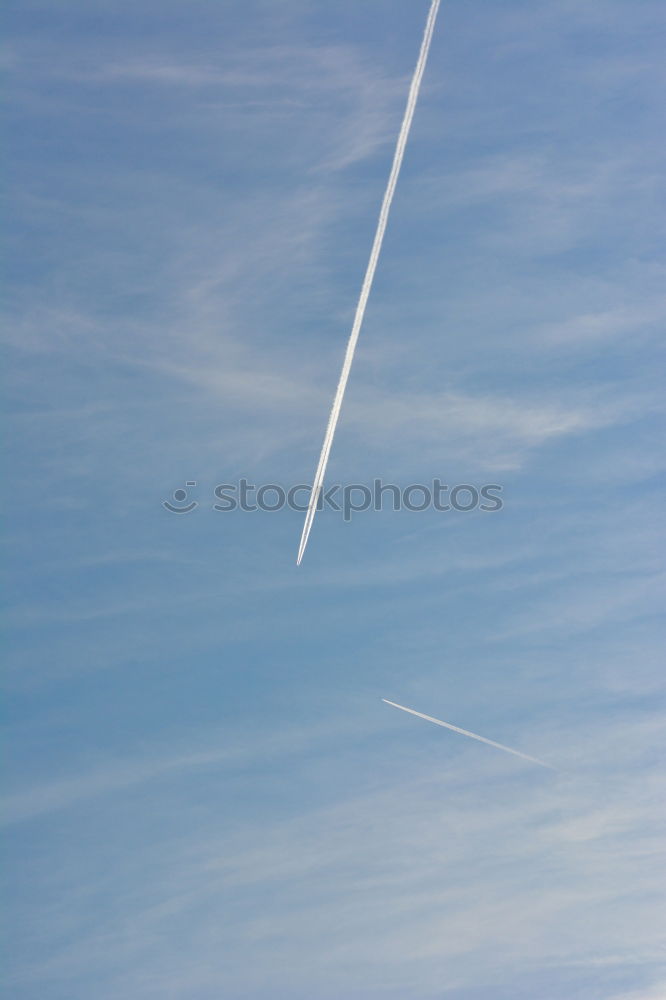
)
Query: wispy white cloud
[
  {"x": 220, "y": 751},
  {"x": 396, "y": 882},
  {"x": 655, "y": 992}
]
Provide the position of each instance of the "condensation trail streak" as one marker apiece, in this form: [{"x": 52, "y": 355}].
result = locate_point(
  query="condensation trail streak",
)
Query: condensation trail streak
[
  {"x": 369, "y": 276},
  {"x": 474, "y": 736}
]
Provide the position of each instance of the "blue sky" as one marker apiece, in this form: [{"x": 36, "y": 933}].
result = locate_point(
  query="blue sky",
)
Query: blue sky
[{"x": 206, "y": 796}]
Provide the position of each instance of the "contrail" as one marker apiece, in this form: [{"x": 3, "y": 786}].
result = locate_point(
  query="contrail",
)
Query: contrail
[
  {"x": 369, "y": 276},
  {"x": 474, "y": 736}
]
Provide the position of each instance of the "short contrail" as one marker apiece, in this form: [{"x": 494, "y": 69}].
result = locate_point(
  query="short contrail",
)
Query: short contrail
[
  {"x": 369, "y": 275},
  {"x": 474, "y": 736}
]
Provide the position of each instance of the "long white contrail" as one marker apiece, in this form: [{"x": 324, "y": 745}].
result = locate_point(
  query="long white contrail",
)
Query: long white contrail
[
  {"x": 369, "y": 276},
  {"x": 474, "y": 736}
]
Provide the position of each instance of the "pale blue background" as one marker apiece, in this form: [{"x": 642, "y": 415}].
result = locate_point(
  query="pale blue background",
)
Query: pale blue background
[{"x": 207, "y": 797}]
